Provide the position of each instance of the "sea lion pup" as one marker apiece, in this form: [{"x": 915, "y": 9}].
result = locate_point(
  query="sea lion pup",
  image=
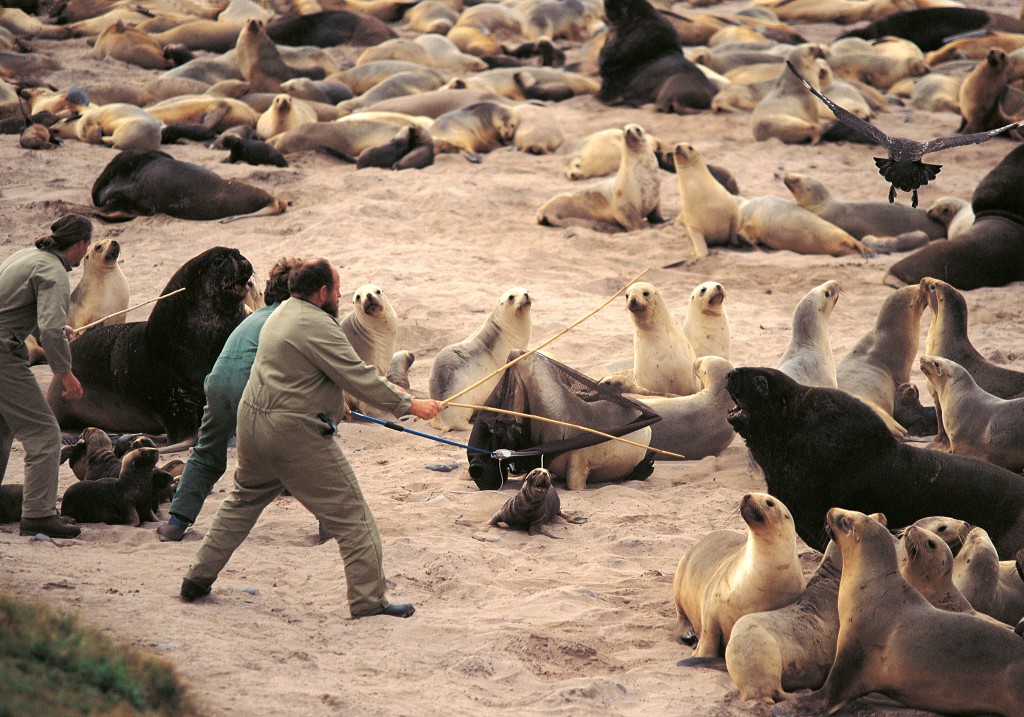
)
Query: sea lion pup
[
  {"x": 695, "y": 426},
  {"x": 103, "y": 288},
  {"x": 392, "y": 155},
  {"x": 821, "y": 447},
  {"x": 991, "y": 252},
  {"x": 125, "y": 500},
  {"x": 135, "y": 375},
  {"x": 953, "y": 213},
  {"x": 860, "y": 218},
  {"x": 992, "y": 586},
  {"x": 808, "y": 358},
  {"x": 881, "y": 360},
  {"x": 92, "y": 457},
  {"x": 143, "y": 183},
  {"x": 727, "y": 575},
  {"x": 947, "y": 337},
  {"x": 976, "y": 423},
  {"x": 119, "y": 125},
  {"x": 260, "y": 62},
  {"x": 252, "y": 151},
  {"x": 630, "y": 200},
  {"x": 891, "y": 640},
  {"x": 460, "y": 365},
  {"x": 663, "y": 359},
  {"x": 131, "y": 45},
  {"x": 371, "y": 328},
  {"x": 709, "y": 212},
  {"x": 284, "y": 113},
  {"x": 789, "y": 111},
  {"x": 780, "y": 224},
  {"x": 534, "y": 89},
  {"x": 534, "y": 506},
  {"x": 707, "y": 324},
  {"x": 771, "y": 654},
  {"x": 980, "y": 91},
  {"x": 479, "y": 127},
  {"x": 538, "y": 131},
  {"x": 908, "y": 412}
]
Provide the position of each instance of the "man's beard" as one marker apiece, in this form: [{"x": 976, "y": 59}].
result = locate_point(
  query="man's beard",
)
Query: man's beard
[{"x": 331, "y": 307}]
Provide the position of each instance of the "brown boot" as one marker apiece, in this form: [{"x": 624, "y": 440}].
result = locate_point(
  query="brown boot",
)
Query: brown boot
[{"x": 51, "y": 525}]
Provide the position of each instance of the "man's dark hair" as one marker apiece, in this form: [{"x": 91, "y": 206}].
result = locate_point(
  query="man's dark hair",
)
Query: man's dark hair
[
  {"x": 309, "y": 277},
  {"x": 277, "y": 283}
]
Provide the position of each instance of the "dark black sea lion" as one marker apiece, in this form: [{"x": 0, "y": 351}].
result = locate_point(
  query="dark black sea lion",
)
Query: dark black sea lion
[
  {"x": 329, "y": 29},
  {"x": 990, "y": 253},
  {"x": 929, "y": 28},
  {"x": 534, "y": 506},
  {"x": 145, "y": 183},
  {"x": 147, "y": 376},
  {"x": 641, "y": 55},
  {"x": 821, "y": 448},
  {"x": 252, "y": 151},
  {"x": 125, "y": 500}
]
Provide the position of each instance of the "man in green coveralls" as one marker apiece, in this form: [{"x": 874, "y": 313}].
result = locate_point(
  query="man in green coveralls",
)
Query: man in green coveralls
[
  {"x": 286, "y": 427},
  {"x": 35, "y": 295}
]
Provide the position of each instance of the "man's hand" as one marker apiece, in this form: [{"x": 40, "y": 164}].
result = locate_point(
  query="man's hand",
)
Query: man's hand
[
  {"x": 72, "y": 388},
  {"x": 425, "y": 408},
  {"x": 70, "y": 334}
]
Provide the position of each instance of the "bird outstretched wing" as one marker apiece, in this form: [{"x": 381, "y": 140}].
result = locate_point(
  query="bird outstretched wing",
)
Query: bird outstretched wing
[
  {"x": 958, "y": 140},
  {"x": 844, "y": 115}
]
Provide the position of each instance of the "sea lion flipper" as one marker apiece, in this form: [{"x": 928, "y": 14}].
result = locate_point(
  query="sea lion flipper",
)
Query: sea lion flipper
[{"x": 575, "y": 519}]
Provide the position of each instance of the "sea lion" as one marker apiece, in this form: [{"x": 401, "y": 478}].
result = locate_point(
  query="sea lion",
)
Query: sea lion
[
  {"x": 695, "y": 426},
  {"x": 992, "y": 586},
  {"x": 535, "y": 505},
  {"x": 398, "y": 369},
  {"x": 908, "y": 412},
  {"x": 118, "y": 125},
  {"x": 480, "y": 127},
  {"x": 727, "y": 575},
  {"x": 431, "y": 16},
  {"x": 130, "y": 45},
  {"x": 285, "y": 113},
  {"x": 392, "y": 154},
  {"x": 935, "y": 93},
  {"x": 371, "y": 328},
  {"x": 975, "y": 422},
  {"x": 881, "y": 360},
  {"x": 709, "y": 212},
  {"x": 349, "y": 26},
  {"x": 538, "y": 131},
  {"x": 599, "y": 154},
  {"x": 929, "y": 28},
  {"x": 323, "y": 91},
  {"x": 891, "y": 640},
  {"x": 707, "y": 323},
  {"x": 876, "y": 70},
  {"x": 92, "y": 456},
  {"x": 663, "y": 358},
  {"x": 860, "y": 218},
  {"x": 926, "y": 563},
  {"x": 778, "y": 224},
  {"x": 808, "y": 358},
  {"x": 629, "y": 201},
  {"x": 789, "y": 111},
  {"x": 260, "y": 62},
  {"x": 125, "y": 500},
  {"x": 821, "y": 447},
  {"x": 135, "y": 376},
  {"x": 458, "y": 366},
  {"x": 991, "y": 252},
  {"x": 340, "y": 139},
  {"x": 252, "y": 151},
  {"x": 103, "y": 288},
  {"x": 980, "y": 91},
  {"x": 953, "y": 213},
  {"x": 144, "y": 183},
  {"x": 217, "y": 113}
]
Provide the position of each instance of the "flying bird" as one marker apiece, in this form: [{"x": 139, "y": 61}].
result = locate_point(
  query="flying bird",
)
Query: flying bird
[{"x": 903, "y": 168}]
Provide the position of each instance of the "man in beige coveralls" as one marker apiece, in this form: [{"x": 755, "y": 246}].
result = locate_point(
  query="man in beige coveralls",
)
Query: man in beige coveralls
[
  {"x": 35, "y": 294},
  {"x": 303, "y": 365}
]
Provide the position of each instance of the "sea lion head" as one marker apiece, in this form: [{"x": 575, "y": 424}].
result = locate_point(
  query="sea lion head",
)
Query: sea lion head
[
  {"x": 952, "y": 531},
  {"x": 642, "y": 300},
  {"x": 712, "y": 371},
  {"x": 760, "y": 394},
  {"x": 928, "y": 557},
  {"x": 944, "y": 209},
  {"x": 370, "y": 299},
  {"x": 710, "y": 296},
  {"x": 996, "y": 58},
  {"x": 516, "y": 301},
  {"x": 766, "y": 515},
  {"x": 940, "y": 371},
  {"x": 634, "y": 138},
  {"x": 684, "y": 155},
  {"x": 536, "y": 485},
  {"x": 282, "y": 104},
  {"x": 102, "y": 256},
  {"x": 138, "y": 464},
  {"x": 808, "y": 192},
  {"x": 827, "y": 295}
]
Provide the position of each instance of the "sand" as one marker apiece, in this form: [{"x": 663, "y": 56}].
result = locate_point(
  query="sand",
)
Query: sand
[{"x": 584, "y": 625}]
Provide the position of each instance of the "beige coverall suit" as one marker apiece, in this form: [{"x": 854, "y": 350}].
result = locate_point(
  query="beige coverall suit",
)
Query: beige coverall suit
[{"x": 303, "y": 365}]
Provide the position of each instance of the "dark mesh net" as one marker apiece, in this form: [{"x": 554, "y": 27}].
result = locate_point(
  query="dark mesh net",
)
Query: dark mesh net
[{"x": 541, "y": 386}]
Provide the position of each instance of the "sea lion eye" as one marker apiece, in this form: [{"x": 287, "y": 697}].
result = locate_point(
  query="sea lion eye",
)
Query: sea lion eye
[
  {"x": 378, "y": 292},
  {"x": 647, "y": 293},
  {"x": 703, "y": 291},
  {"x": 770, "y": 503}
]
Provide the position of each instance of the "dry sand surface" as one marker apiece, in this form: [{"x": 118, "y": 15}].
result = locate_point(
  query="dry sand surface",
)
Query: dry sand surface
[{"x": 512, "y": 624}]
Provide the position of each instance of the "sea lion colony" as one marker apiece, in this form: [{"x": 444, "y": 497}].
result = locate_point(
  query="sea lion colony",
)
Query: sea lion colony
[{"x": 567, "y": 44}]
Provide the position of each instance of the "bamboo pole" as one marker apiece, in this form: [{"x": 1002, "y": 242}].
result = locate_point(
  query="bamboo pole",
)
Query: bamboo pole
[
  {"x": 567, "y": 425},
  {"x": 538, "y": 347},
  {"x": 97, "y": 322}
]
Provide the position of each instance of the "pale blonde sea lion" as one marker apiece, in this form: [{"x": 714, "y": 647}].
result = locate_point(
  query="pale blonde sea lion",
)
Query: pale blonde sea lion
[
  {"x": 217, "y": 113},
  {"x": 131, "y": 45},
  {"x": 118, "y": 125},
  {"x": 600, "y": 154},
  {"x": 629, "y": 201},
  {"x": 340, "y": 139},
  {"x": 201, "y": 34},
  {"x": 361, "y": 78},
  {"x": 991, "y": 585},
  {"x": 431, "y": 16},
  {"x": 778, "y": 224},
  {"x": 103, "y": 288},
  {"x": 480, "y": 127},
  {"x": 474, "y": 41},
  {"x": 956, "y": 214},
  {"x": 727, "y": 575},
  {"x": 285, "y": 113},
  {"x": 709, "y": 212},
  {"x": 399, "y": 85},
  {"x": 936, "y": 92},
  {"x": 460, "y": 365},
  {"x": 808, "y": 358},
  {"x": 372, "y": 329},
  {"x": 789, "y": 112},
  {"x": 876, "y": 70},
  {"x": 707, "y": 323},
  {"x": 976, "y": 423},
  {"x": 538, "y": 131},
  {"x": 663, "y": 359}
]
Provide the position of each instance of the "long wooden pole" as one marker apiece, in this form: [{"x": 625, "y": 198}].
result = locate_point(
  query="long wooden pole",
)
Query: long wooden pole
[
  {"x": 538, "y": 347},
  {"x": 567, "y": 425},
  {"x": 97, "y": 322}
]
